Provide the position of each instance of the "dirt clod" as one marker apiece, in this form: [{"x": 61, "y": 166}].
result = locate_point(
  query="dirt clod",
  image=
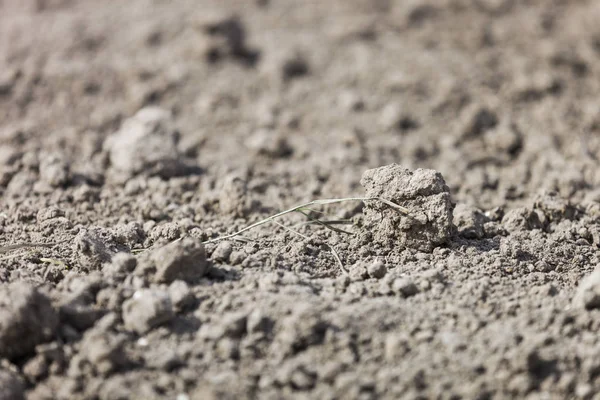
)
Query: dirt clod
[
  {"x": 95, "y": 246},
  {"x": 27, "y": 319},
  {"x": 377, "y": 269},
  {"x": 423, "y": 192},
  {"x": 183, "y": 259},
  {"x": 147, "y": 309},
  {"x": 469, "y": 221},
  {"x": 146, "y": 143}
]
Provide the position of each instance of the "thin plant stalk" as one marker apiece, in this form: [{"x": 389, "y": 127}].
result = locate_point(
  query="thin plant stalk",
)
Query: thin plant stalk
[{"x": 393, "y": 205}]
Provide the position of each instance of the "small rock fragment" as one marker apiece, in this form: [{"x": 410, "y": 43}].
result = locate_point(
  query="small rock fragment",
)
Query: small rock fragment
[
  {"x": 396, "y": 346},
  {"x": 147, "y": 309},
  {"x": 222, "y": 251},
  {"x": 130, "y": 234},
  {"x": 27, "y": 319},
  {"x": 377, "y": 269},
  {"x": 146, "y": 143},
  {"x": 167, "y": 231},
  {"x": 184, "y": 259},
  {"x": 423, "y": 192},
  {"x": 162, "y": 358},
  {"x": 469, "y": 221},
  {"x": 358, "y": 272}
]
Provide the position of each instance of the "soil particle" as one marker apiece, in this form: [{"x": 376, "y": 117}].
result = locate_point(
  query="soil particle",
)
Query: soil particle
[
  {"x": 27, "y": 319},
  {"x": 294, "y": 65},
  {"x": 146, "y": 143},
  {"x": 377, "y": 269},
  {"x": 147, "y": 309},
  {"x": 95, "y": 247},
  {"x": 130, "y": 234},
  {"x": 222, "y": 252},
  {"x": 469, "y": 221},
  {"x": 11, "y": 387},
  {"x": 183, "y": 259},
  {"x": 423, "y": 192},
  {"x": 358, "y": 272}
]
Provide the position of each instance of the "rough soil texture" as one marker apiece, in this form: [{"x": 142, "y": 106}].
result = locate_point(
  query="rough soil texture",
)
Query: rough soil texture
[{"x": 133, "y": 131}]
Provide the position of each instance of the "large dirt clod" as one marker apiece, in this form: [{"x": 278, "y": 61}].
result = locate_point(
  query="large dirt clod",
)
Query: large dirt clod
[
  {"x": 26, "y": 319},
  {"x": 423, "y": 192}
]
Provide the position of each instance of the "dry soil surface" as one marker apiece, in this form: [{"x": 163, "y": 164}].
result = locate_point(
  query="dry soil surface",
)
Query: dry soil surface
[{"x": 134, "y": 132}]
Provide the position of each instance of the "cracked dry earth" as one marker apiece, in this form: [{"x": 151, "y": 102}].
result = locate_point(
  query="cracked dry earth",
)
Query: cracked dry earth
[{"x": 132, "y": 132}]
